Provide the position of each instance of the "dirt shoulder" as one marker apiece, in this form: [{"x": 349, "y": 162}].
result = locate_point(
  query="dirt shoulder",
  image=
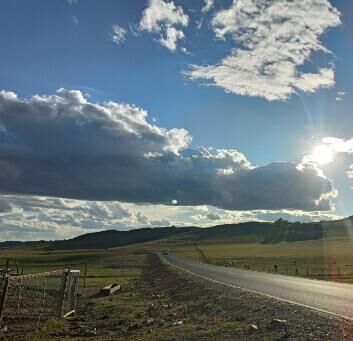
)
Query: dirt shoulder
[
  {"x": 168, "y": 304},
  {"x": 212, "y": 311}
]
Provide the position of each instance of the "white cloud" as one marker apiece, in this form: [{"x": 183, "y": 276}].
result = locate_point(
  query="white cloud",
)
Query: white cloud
[
  {"x": 134, "y": 29},
  {"x": 29, "y": 217},
  {"x": 208, "y": 4},
  {"x": 72, "y": 2},
  {"x": 199, "y": 23},
  {"x": 218, "y": 216},
  {"x": 340, "y": 96},
  {"x": 172, "y": 35},
  {"x": 160, "y": 222},
  {"x": 165, "y": 19},
  {"x": 75, "y": 20},
  {"x": 339, "y": 145},
  {"x": 119, "y": 34},
  {"x": 273, "y": 39}
]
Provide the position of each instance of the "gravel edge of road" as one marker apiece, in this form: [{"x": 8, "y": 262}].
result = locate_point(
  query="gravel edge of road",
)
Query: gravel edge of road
[{"x": 296, "y": 322}]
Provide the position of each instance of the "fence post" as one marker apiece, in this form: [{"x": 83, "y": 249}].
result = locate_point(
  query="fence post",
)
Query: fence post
[
  {"x": 19, "y": 297},
  {"x": 63, "y": 293},
  {"x": 85, "y": 274},
  {"x": 3, "y": 298},
  {"x": 76, "y": 289}
]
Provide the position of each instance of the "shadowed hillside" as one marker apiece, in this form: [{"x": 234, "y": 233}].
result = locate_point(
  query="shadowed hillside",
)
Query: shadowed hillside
[
  {"x": 113, "y": 238},
  {"x": 256, "y": 232},
  {"x": 249, "y": 232}
]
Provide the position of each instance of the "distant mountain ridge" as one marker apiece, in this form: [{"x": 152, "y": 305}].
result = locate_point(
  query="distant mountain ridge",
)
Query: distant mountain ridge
[
  {"x": 248, "y": 232},
  {"x": 114, "y": 238}
]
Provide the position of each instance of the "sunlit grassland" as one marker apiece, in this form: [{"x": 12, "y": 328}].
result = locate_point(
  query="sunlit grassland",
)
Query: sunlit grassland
[
  {"x": 121, "y": 265},
  {"x": 124, "y": 315},
  {"x": 328, "y": 259},
  {"x": 103, "y": 266}
]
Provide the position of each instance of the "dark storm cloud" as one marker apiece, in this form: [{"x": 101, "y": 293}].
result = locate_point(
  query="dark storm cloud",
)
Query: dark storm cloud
[{"x": 65, "y": 146}]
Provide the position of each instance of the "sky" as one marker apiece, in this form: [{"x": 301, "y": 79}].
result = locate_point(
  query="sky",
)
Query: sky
[{"x": 125, "y": 114}]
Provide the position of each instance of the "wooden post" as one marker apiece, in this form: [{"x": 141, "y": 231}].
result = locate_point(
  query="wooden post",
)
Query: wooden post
[
  {"x": 84, "y": 276},
  {"x": 19, "y": 297},
  {"x": 76, "y": 289},
  {"x": 3, "y": 298},
  {"x": 62, "y": 293}
]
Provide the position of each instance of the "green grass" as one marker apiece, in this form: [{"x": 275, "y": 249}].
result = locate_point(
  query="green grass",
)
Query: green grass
[
  {"x": 328, "y": 259},
  {"x": 104, "y": 267},
  {"x": 123, "y": 316}
]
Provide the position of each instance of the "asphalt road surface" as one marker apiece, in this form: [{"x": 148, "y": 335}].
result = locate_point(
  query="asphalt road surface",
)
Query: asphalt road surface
[{"x": 330, "y": 297}]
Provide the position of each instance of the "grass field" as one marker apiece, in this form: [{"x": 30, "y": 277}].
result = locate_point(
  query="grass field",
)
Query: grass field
[
  {"x": 328, "y": 259},
  {"x": 133, "y": 313},
  {"x": 151, "y": 305},
  {"x": 103, "y": 267}
]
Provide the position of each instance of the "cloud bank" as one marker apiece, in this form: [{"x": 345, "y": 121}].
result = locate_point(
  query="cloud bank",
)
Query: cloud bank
[
  {"x": 33, "y": 218},
  {"x": 63, "y": 145},
  {"x": 272, "y": 38},
  {"x": 26, "y": 217}
]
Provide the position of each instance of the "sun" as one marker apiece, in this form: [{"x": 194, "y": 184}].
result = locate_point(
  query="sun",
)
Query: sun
[{"x": 322, "y": 154}]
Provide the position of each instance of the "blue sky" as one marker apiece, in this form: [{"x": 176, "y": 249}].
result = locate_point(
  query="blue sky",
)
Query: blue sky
[{"x": 48, "y": 45}]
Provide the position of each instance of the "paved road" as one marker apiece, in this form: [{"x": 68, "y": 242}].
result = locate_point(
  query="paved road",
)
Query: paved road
[{"x": 330, "y": 297}]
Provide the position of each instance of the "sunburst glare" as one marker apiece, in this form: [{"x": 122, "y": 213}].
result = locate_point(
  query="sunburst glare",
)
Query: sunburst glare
[{"x": 322, "y": 155}]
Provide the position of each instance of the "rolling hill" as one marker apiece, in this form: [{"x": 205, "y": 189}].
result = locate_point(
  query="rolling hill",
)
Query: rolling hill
[
  {"x": 114, "y": 238},
  {"x": 249, "y": 232}
]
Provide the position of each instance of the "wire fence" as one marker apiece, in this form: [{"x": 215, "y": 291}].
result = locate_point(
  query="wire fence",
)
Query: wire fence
[
  {"x": 22, "y": 267},
  {"x": 29, "y": 302}
]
